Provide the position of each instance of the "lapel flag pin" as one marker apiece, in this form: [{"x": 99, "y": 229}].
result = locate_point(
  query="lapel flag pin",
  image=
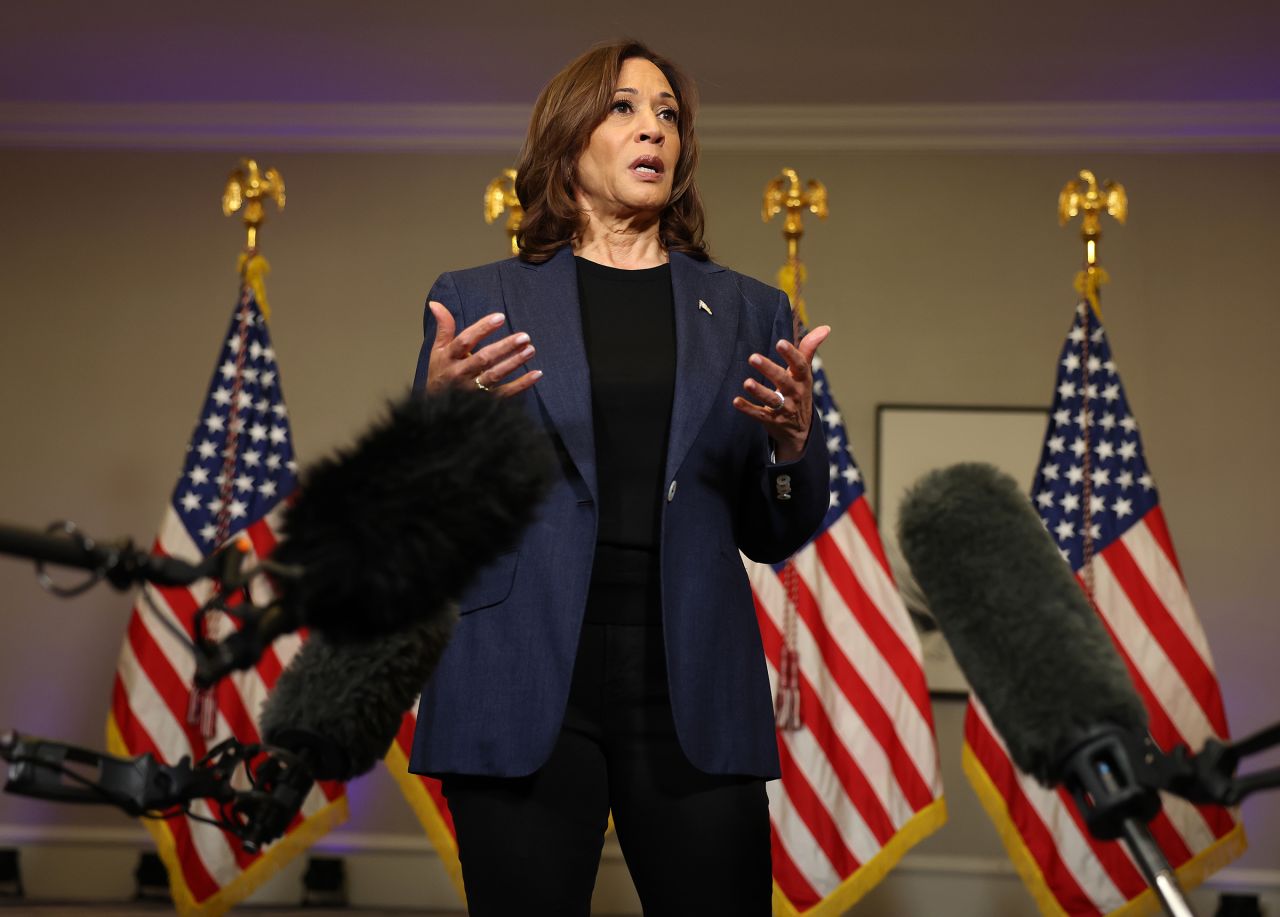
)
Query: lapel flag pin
[{"x": 704, "y": 307}]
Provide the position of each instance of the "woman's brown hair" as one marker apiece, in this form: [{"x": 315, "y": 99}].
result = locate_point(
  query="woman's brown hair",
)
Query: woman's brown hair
[{"x": 569, "y": 108}]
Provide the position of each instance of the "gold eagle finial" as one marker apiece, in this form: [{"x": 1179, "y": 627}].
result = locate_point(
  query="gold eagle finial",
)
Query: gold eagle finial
[
  {"x": 1084, "y": 197},
  {"x": 499, "y": 195},
  {"x": 248, "y": 187},
  {"x": 787, "y": 193}
]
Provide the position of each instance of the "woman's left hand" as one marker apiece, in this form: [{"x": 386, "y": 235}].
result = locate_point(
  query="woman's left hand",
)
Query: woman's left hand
[{"x": 786, "y": 409}]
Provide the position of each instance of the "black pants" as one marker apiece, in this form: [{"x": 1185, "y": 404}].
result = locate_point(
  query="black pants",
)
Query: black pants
[{"x": 695, "y": 843}]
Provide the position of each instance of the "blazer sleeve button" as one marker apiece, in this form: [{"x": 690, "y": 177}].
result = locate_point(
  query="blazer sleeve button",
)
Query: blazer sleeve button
[{"x": 671, "y": 492}]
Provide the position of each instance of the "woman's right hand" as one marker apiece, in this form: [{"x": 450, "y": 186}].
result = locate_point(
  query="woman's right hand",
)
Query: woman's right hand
[{"x": 455, "y": 362}]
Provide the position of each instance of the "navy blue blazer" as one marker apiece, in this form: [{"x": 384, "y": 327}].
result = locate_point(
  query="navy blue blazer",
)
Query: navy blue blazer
[{"x": 497, "y": 700}]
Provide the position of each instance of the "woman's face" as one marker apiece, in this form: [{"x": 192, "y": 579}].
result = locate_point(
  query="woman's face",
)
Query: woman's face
[{"x": 630, "y": 160}]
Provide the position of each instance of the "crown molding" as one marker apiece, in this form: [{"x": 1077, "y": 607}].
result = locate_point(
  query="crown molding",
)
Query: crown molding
[
  {"x": 264, "y": 125},
  {"x": 350, "y": 127},
  {"x": 1047, "y": 127}
]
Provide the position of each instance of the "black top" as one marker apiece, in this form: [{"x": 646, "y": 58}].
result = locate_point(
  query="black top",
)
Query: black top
[{"x": 628, "y": 327}]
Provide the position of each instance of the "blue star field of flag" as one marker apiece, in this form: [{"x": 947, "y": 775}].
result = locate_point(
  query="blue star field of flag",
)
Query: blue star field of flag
[
  {"x": 1121, "y": 488},
  {"x": 846, "y": 479},
  {"x": 240, "y": 460}
]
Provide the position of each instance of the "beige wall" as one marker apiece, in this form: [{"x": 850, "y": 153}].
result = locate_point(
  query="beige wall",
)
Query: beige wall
[{"x": 944, "y": 275}]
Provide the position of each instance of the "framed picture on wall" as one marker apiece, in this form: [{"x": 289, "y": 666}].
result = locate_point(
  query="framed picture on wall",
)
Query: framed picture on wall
[{"x": 913, "y": 439}]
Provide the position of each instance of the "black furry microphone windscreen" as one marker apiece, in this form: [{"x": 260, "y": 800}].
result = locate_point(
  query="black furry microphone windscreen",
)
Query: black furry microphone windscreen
[
  {"x": 1031, "y": 646},
  {"x": 400, "y": 522},
  {"x": 343, "y": 702},
  {"x": 388, "y": 533}
]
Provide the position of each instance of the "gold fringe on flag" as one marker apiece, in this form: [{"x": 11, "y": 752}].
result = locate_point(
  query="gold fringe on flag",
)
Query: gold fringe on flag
[{"x": 868, "y": 875}]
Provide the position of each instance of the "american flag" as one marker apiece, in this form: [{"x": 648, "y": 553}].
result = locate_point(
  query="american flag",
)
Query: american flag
[
  {"x": 238, "y": 472},
  {"x": 1098, "y": 500},
  {"x": 860, "y": 780}
]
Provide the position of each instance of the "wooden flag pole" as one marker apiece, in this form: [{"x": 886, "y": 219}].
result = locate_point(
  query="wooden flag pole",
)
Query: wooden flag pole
[
  {"x": 1085, "y": 197},
  {"x": 786, "y": 193},
  {"x": 1082, "y": 196}
]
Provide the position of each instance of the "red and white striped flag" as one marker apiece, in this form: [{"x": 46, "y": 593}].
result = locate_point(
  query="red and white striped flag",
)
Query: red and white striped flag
[
  {"x": 860, "y": 780},
  {"x": 1098, "y": 500},
  {"x": 239, "y": 469}
]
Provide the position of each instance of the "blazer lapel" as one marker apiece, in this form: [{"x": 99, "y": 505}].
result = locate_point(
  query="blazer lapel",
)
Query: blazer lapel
[
  {"x": 542, "y": 300},
  {"x": 706, "y": 307}
]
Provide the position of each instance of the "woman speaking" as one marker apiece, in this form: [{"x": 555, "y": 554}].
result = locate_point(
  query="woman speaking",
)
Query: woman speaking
[{"x": 613, "y": 661}]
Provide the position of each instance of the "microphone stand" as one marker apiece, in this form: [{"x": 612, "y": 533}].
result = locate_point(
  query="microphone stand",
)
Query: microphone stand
[
  {"x": 278, "y": 780},
  {"x": 277, "y": 783},
  {"x": 124, "y": 566},
  {"x": 1116, "y": 804},
  {"x": 1115, "y": 777},
  {"x": 119, "y": 563}
]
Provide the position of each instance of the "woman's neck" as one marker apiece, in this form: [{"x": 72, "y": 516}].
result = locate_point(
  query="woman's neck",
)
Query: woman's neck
[{"x": 628, "y": 243}]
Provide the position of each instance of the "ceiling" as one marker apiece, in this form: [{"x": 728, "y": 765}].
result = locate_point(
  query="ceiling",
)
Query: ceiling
[{"x": 746, "y": 52}]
